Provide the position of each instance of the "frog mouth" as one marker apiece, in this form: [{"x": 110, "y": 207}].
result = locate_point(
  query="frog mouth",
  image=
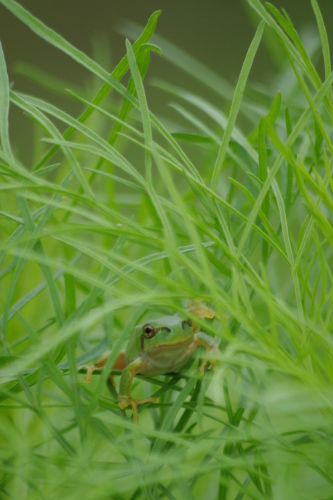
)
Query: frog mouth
[{"x": 171, "y": 346}]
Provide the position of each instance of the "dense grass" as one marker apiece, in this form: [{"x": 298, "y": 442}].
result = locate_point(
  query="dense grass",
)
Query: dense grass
[{"x": 122, "y": 218}]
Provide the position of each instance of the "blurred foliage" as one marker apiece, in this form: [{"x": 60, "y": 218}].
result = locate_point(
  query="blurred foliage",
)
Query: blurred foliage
[{"x": 126, "y": 216}]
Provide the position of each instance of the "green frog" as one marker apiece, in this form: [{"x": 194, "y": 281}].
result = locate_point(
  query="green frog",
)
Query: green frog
[{"x": 158, "y": 347}]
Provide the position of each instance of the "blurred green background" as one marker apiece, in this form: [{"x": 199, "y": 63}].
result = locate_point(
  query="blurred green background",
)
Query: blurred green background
[
  {"x": 217, "y": 33},
  {"x": 285, "y": 377}
]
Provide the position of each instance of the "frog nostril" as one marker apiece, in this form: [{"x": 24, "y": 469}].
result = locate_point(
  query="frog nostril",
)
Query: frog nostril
[
  {"x": 186, "y": 322},
  {"x": 166, "y": 328}
]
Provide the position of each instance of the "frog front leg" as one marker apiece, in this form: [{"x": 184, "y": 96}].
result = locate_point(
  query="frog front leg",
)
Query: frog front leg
[
  {"x": 125, "y": 399},
  {"x": 204, "y": 340},
  {"x": 119, "y": 364}
]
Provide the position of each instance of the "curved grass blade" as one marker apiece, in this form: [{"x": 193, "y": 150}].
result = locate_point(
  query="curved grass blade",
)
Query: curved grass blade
[
  {"x": 4, "y": 107},
  {"x": 236, "y": 102}
]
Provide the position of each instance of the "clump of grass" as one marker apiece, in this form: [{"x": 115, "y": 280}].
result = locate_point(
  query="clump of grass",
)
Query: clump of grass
[{"x": 94, "y": 241}]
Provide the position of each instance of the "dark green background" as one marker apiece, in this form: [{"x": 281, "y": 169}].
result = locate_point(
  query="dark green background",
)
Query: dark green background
[{"x": 217, "y": 33}]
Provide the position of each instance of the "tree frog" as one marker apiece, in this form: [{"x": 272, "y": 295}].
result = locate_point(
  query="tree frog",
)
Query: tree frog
[{"x": 158, "y": 347}]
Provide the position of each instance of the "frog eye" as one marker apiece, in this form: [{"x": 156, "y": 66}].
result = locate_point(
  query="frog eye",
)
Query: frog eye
[
  {"x": 186, "y": 322},
  {"x": 149, "y": 331}
]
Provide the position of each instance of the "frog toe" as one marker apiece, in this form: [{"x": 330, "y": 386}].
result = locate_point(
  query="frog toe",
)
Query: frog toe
[
  {"x": 134, "y": 403},
  {"x": 200, "y": 310},
  {"x": 90, "y": 371}
]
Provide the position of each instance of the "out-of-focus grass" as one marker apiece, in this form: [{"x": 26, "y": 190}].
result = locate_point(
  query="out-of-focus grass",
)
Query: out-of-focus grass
[{"x": 125, "y": 216}]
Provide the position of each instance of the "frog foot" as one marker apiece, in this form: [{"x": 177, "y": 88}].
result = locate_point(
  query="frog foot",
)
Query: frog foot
[
  {"x": 211, "y": 348},
  {"x": 90, "y": 371},
  {"x": 203, "y": 365},
  {"x": 96, "y": 366},
  {"x": 128, "y": 401},
  {"x": 200, "y": 310}
]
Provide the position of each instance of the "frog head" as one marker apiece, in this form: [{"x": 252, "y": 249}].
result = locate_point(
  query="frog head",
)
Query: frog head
[{"x": 163, "y": 342}]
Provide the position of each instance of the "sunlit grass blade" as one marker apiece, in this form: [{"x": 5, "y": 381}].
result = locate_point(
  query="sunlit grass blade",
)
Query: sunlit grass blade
[
  {"x": 236, "y": 102},
  {"x": 4, "y": 107}
]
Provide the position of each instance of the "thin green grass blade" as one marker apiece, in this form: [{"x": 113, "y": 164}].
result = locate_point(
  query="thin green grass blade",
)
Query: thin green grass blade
[
  {"x": 144, "y": 110},
  {"x": 324, "y": 42},
  {"x": 236, "y": 102},
  {"x": 263, "y": 176},
  {"x": 289, "y": 188},
  {"x": 4, "y": 107},
  {"x": 30, "y": 226},
  {"x": 287, "y": 25}
]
